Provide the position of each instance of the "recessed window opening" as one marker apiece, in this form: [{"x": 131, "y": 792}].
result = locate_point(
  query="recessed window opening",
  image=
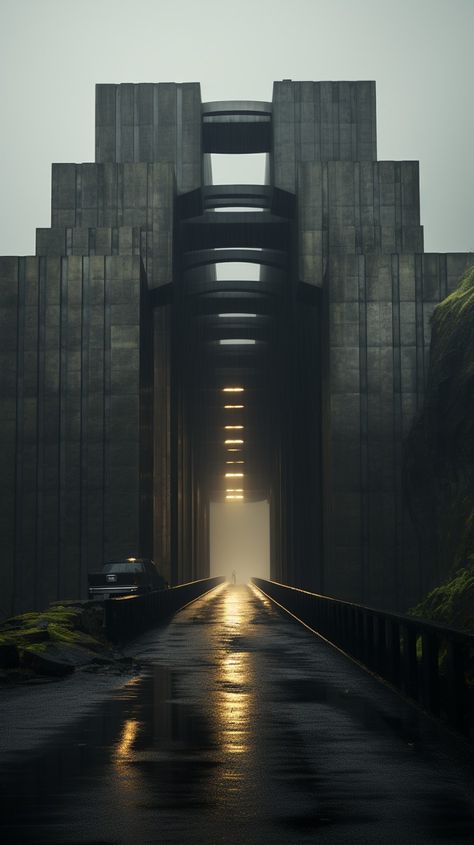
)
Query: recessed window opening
[
  {"x": 237, "y": 271},
  {"x": 237, "y": 341},
  {"x": 236, "y": 248},
  {"x": 236, "y": 314},
  {"x": 239, "y": 208},
  {"x": 235, "y": 169}
]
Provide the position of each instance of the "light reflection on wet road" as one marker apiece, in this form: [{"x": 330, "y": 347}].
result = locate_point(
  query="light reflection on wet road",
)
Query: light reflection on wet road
[{"x": 245, "y": 729}]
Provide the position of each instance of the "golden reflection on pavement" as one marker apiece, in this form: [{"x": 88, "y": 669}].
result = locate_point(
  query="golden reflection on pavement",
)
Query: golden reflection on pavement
[
  {"x": 235, "y": 693},
  {"x": 122, "y": 751},
  {"x": 233, "y": 702}
]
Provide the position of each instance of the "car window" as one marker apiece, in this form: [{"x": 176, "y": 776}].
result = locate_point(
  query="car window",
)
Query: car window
[{"x": 121, "y": 568}]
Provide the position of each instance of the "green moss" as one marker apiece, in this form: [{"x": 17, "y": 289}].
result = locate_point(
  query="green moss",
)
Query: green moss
[
  {"x": 63, "y": 634},
  {"x": 57, "y": 624},
  {"x": 439, "y": 450},
  {"x": 36, "y": 648},
  {"x": 452, "y": 603}
]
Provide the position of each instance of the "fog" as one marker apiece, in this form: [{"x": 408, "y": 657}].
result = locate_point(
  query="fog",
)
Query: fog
[
  {"x": 53, "y": 52},
  {"x": 240, "y": 540}
]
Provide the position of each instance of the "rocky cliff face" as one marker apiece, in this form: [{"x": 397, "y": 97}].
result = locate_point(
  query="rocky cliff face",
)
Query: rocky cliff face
[{"x": 439, "y": 453}]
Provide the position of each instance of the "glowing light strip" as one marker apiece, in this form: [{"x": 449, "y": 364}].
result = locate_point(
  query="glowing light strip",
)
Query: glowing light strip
[{"x": 237, "y": 341}]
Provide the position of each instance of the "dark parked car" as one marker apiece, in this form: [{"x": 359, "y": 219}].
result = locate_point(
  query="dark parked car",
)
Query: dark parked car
[{"x": 125, "y": 577}]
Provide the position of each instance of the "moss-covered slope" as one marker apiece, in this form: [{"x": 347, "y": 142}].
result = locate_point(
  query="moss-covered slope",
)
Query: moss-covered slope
[
  {"x": 439, "y": 452},
  {"x": 452, "y": 603},
  {"x": 53, "y": 641}
]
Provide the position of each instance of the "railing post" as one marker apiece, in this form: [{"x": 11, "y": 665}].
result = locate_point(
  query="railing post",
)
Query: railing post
[
  {"x": 410, "y": 661},
  {"x": 456, "y": 688},
  {"x": 394, "y": 652},
  {"x": 380, "y": 644},
  {"x": 430, "y": 671},
  {"x": 369, "y": 639}
]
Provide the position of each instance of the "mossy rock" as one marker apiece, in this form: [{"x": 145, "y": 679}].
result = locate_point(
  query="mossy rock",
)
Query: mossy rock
[
  {"x": 62, "y": 634},
  {"x": 452, "y": 603}
]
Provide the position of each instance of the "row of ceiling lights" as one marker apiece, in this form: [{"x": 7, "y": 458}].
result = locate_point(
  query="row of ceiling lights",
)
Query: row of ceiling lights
[{"x": 234, "y": 494}]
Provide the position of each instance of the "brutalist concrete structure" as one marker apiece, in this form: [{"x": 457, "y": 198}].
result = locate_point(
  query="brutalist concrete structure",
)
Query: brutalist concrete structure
[{"x": 126, "y": 363}]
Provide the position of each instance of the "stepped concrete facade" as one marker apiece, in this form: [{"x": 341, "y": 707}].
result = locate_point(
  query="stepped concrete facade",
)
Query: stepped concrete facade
[{"x": 113, "y": 370}]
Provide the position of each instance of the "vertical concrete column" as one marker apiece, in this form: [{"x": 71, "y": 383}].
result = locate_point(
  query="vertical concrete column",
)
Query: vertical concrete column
[
  {"x": 122, "y": 411},
  {"x": 70, "y": 426},
  {"x": 49, "y": 417},
  {"x": 344, "y": 437},
  {"x": 9, "y": 361},
  {"x": 162, "y": 440}
]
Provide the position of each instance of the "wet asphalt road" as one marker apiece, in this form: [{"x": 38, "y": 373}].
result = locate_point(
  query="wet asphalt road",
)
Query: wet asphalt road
[{"x": 246, "y": 728}]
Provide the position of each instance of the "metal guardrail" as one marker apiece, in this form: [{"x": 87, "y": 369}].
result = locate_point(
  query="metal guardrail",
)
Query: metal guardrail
[
  {"x": 127, "y": 617},
  {"x": 428, "y": 663}
]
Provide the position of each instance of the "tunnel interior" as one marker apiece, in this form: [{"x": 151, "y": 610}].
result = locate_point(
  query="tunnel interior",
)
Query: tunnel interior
[{"x": 247, "y": 424}]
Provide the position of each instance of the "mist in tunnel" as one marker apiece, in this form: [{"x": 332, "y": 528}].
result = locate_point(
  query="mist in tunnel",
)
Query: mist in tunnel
[{"x": 240, "y": 540}]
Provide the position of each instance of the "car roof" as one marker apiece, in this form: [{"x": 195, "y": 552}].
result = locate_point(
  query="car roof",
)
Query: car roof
[{"x": 129, "y": 560}]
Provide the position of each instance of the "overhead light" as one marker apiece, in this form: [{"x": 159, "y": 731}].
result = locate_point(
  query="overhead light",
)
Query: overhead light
[
  {"x": 237, "y": 341},
  {"x": 234, "y": 450},
  {"x": 235, "y": 462},
  {"x": 234, "y": 496},
  {"x": 232, "y": 389},
  {"x": 233, "y": 426},
  {"x": 233, "y": 407},
  {"x": 234, "y": 475},
  {"x": 233, "y": 442},
  {"x": 237, "y": 315}
]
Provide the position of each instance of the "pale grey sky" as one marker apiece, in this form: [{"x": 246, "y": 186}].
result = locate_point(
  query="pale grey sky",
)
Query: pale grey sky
[{"x": 52, "y": 52}]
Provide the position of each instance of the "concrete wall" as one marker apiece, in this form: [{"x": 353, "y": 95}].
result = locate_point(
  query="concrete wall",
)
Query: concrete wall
[
  {"x": 152, "y": 123},
  {"x": 356, "y": 208},
  {"x": 76, "y": 373},
  {"x": 321, "y": 121},
  {"x": 113, "y": 209},
  {"x": 378, "y": 316}
]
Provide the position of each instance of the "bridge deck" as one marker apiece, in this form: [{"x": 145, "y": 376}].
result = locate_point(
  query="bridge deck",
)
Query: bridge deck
[{"x": 245, "y": 729}]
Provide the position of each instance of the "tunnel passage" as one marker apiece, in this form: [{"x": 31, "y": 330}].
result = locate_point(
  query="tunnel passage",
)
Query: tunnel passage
[{"x": 247, "y": 348}]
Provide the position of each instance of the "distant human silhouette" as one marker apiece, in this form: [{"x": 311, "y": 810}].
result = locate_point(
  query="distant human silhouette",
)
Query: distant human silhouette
[{"x": 234, "y": 577}]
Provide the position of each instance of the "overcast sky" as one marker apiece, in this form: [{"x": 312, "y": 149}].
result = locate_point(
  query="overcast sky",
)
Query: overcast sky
[{"x": 52, "y": 52}]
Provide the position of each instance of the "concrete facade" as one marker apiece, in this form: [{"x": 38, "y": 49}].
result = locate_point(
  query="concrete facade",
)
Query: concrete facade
[
  {"x": 76, "y": 439},
  {"x": 110, "y": 346}
]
